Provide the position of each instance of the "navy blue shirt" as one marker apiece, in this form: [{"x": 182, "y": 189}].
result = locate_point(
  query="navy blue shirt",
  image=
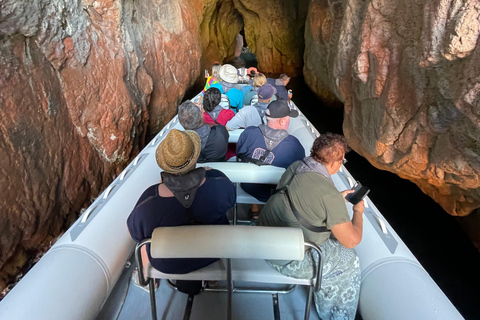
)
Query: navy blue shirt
[
  {"x": 282, "y": 92},
  {"x": 252, "y": 144},
  {"x": 212, "y": 200}
]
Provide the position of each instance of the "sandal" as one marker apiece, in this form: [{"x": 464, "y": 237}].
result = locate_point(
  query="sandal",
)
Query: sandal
[{"x": 253, "y": 215}]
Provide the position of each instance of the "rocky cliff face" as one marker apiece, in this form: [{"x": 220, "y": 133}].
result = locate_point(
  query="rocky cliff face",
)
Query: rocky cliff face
[
  {"x": 409, "y": 75},
  {"x": 81, "y": 83}
]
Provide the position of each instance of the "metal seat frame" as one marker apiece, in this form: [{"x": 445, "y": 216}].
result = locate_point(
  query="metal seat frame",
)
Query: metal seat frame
[{"x": 315, "y": 281}]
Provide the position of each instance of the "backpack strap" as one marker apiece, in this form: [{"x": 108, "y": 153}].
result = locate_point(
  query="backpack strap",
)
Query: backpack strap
[
  {"x": 258, "y": 162},
  {"x": 304, "y": 222}
]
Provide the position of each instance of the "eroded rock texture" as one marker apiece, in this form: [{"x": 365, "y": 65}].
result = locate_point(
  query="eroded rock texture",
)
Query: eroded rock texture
[
  {"x": 273, "y": 31},
  {"x": 409, "y": 75},
  {"x": 80, "y": 84}
]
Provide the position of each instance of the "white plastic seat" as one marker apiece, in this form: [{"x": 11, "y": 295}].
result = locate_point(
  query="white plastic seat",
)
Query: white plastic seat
[
  {"x": 243, "y": 197},
  {"x": 242, "y": 250}
]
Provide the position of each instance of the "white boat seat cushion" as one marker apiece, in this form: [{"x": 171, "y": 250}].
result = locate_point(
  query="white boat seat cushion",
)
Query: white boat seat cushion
[{"x": 247, "y": 246}]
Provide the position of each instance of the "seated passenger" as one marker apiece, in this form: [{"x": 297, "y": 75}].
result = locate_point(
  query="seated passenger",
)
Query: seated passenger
[
  {"x": 269, "y": 144},
  {"x": 214, "y": 78},
  {"x": 183, "y": 196},
  {"x": 253, "y": 115},
  {"x": 214, "y": 112},
  {"x": 231, "y": 89},
  {"x": 259, "y": 80},
  {"x": 214, "y": 140},
  {"x": 280, "y": 84},
  {"x": 316, "y": 200}
]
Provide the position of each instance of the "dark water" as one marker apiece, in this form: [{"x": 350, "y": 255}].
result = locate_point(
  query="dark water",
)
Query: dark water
[{"x": 432, "y": 235}]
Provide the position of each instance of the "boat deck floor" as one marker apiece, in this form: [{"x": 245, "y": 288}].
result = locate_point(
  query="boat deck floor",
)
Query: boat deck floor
[
  {"x": 213, "y": 305},
  {"x": 130, "y": 302}
]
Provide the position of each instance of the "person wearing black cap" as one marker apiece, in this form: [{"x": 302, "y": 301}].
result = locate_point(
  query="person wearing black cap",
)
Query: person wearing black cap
[{"x": 270, "y": 144}]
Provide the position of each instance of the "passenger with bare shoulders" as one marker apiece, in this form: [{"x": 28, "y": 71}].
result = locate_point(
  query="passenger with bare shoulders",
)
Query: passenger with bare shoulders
[{"x": 306, "y": 198}]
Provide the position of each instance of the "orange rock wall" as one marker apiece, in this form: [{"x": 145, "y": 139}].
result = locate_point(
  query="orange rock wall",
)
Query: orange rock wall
[
  {"x": 273, "y": 31},
  {"x": 81, "y": 84},
  {"x": 408, "y": 73}
]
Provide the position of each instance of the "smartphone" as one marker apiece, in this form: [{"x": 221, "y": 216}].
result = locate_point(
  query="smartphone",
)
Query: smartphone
[
  {"x": 359, "y": 193},
  {"x": 206, "y": 73}
]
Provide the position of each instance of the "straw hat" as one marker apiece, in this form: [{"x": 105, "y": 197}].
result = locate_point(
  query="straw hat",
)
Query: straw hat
[
  {"x": 228, "y": 73},
  {"x": 178, "y": 152}
]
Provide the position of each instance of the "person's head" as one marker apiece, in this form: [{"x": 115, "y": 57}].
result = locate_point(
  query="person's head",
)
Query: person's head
[
  {"x": 259, "y": 80},
  {"x": 285, "y": 79},
  {"x": 211, "y": 99},
  {"x": 278, "y": 114},
  {"x": 238, "y": 62},
  {"x": 330, "y": 149},
  {"x": 228, "y": 73},
  {"x": 216, "y": 70},
  {"x": 266, "y": 92},
  {"x": 178, "y": 152},
  {"x": 190, "y": 116},
  {"x": 251, "y": 72}
]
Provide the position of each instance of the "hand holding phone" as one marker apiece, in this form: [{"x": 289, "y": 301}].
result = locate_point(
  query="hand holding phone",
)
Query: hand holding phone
[{"x": 359, "y": 192}]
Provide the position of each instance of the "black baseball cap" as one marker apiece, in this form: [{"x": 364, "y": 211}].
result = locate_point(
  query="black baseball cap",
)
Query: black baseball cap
[{"x": 280, "y": 109}]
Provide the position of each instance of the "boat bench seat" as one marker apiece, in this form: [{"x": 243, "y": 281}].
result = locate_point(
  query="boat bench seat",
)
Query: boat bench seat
[
  {"x": 242, "y": 251},
  {"x": 243, "y": 197},
  {"x": 242, "y": 270},
  {"x": 242, "y": 172}
]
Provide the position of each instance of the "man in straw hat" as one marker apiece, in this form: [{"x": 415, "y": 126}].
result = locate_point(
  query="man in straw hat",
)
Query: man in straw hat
[{"x": 185, "y": 195}]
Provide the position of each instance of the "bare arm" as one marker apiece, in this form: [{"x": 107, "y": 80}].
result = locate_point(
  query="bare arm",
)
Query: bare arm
[
  {"x": 238, "y": 45},
  {"x": 349, "y": 234}
]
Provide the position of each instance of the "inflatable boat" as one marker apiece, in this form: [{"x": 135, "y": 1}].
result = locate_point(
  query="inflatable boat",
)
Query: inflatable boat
[{"x": 87, "y": 273}]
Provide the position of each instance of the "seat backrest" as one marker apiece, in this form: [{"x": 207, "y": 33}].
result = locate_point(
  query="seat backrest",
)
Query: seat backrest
[
  {"x": 254, "y": 100},
  {"x": 225, "y": 102},
  {"x": 226, "y": 241},
  {"x": 243, "y": 172}
]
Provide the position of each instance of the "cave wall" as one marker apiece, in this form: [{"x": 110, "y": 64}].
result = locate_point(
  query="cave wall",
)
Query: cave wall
[
  {"x": 273, "y": 31},
  {"x": 81, "y": 83},
  {"x": 408, "y": 73}
]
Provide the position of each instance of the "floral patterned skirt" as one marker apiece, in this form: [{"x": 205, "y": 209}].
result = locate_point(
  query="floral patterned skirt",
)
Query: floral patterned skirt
[{"x": 338, "y": 296}]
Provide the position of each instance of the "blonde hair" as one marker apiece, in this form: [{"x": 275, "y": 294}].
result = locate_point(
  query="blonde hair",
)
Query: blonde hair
[
  {"x": 259, "y": 79},
  {"x": 216, "y": 70}
]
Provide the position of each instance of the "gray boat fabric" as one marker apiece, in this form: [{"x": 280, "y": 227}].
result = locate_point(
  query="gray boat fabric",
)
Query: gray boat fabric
[{"x": 338, "y": 296}]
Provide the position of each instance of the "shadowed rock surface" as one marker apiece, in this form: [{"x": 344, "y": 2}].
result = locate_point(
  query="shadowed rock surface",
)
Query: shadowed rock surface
[{"x": 408, "y": 73}]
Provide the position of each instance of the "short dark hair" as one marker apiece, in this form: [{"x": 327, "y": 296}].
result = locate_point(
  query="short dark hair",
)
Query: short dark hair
[
  {"x": 190, "y": 115},
  {"x": 238, "y": 62},
  {"x": 211, "y": 99},
  {"x": 329, "y": 147}
]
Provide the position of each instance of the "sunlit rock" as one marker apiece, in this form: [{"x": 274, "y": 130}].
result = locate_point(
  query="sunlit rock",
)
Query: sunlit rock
[
  {"x": 409, "y": 75},
  {"x": 82, "y": 82}
]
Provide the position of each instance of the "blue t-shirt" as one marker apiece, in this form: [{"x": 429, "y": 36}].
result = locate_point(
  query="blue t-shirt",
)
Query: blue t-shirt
[
  {"x": 252, "y": 144},
  {"x": 212, "y": 200}
]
